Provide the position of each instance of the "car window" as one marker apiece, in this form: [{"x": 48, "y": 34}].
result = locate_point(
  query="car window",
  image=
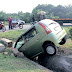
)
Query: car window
[{"x": 30, "y": 34}]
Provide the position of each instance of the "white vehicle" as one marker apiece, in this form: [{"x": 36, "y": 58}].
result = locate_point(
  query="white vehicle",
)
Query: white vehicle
[
  {"x": 21, "y": 22},
  {"x": 18, "y": 21}
]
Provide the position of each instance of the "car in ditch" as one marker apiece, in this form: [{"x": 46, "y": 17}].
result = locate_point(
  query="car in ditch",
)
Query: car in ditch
[{"x": 41, "y": 38}]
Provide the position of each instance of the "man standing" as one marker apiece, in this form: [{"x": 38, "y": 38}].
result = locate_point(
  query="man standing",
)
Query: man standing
[
  {"x": 10, "y": 23},
  {"x": 33, "y": 18}
]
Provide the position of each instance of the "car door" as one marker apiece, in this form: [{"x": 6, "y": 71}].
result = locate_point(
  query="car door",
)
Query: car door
[{"x": 32, "y": 44}]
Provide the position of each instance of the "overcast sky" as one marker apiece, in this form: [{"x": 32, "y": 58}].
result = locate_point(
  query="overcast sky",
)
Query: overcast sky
[{"x": 13, "y": 6}]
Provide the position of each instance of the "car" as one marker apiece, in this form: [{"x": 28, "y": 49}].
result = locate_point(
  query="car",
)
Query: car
[
  {"x": 14, "y": 21},
  {"x": 17, "y": 21},
  {"x": 21, "y": 22},
  {"x": 42, "y": 38}
]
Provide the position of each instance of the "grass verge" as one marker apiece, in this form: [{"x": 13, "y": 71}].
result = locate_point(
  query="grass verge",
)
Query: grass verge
[
  {"x": 13, "y": 35},
  {"x": 10, "y": 63}
]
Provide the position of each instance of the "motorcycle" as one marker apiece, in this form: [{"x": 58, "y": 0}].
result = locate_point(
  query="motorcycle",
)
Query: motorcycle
[
  {"x": 32, "y": 23},
  {"x": 2, "y": 27},
  {"x": 15, "y": 25}
]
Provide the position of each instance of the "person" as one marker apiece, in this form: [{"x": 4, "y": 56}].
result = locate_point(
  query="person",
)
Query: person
[
  {"x": 44, "y": 17},
  {"x": 33, "y": 18},
  {"x": 10, "y": 23}
]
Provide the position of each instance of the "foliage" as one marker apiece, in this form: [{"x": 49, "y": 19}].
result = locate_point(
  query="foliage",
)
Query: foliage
[
  {"x": 51, "y": 12},
  {"x": 56, "y": 11},
  {"x": 70, "y": 30}
]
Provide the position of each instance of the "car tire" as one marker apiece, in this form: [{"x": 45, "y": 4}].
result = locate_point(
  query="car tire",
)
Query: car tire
[
  {"x": 50, "y": 49},
  {"x": 63, "y": 41},
  {"x": 3, "y": 28},
  {"x": 20, "y": 26}
]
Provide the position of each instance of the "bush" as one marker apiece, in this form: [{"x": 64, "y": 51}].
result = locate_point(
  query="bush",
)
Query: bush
[{"x": 70, "y": 31}]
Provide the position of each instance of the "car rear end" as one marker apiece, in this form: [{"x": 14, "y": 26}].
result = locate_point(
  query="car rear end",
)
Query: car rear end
[{"x": 54, "y": 31}]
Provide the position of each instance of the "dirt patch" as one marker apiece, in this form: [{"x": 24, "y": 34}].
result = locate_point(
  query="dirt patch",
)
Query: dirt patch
[{"x": 64, "y": 51}]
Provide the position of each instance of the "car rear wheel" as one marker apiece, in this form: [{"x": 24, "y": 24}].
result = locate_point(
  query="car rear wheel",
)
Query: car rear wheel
[
  {"x": 20, "y": 26},
  {"x": 50, "y": 49},
  {"x": 63, "y": 41}
]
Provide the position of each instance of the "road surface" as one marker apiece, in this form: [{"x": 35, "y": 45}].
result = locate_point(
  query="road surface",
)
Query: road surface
[
  {"x": 28, "y": 26},
  {"x": 67, "y": 24},
  {"x": 24, "y": 27}
]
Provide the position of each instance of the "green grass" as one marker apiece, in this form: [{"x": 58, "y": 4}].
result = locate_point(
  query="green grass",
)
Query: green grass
[
  {"x": 5, "y": 23},
  {"x": 67, "y": 29},
  {"x": 67, "y": 45},
  {"x": 10, "y": 63},
  {"x": 13, "y": 35}
]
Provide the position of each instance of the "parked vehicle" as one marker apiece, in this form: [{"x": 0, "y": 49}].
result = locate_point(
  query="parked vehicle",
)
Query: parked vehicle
[
  {"x": 2, "y": 27},
  {"x": 41, "y": 38},
  {"x": 18, "y": 21},
  {"x": 17, "y": 25},
  {"x": 32, "y": 23},
  {"x": 21, "y": 22}
]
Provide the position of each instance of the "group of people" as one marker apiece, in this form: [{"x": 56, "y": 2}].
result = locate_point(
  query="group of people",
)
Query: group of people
[
  {"x": 41, "y": 17},
  {"x": 33, "y": 18}
]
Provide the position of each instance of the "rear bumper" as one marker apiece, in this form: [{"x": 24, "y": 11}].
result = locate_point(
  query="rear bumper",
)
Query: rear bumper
[{"x": 61, "y": 35}]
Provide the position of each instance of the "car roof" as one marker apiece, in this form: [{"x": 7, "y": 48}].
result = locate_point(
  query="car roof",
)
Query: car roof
[{"x": 46, "y": 21}]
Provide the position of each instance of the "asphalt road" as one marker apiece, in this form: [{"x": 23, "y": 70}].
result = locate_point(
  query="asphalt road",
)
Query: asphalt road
[
  {"x": 17, "y": 28},
  {"x": 67, "y": 24},
  {"x": 28, "y": 26}
]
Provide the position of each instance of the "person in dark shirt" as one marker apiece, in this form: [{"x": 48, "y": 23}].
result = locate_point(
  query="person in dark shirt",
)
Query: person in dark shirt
[
  {"x": 10, "y": 23},
  {"x": 33, "y": 18}
]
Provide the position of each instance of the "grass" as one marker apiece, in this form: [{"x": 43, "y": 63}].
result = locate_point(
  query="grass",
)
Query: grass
[
  {"x": 5, "y": 23},
  {"x": 13, "y": 35},
  {"x": 67, "y": 45},
  {"x": 67, "y": 29},
  {"x": 10, "y": 63}
]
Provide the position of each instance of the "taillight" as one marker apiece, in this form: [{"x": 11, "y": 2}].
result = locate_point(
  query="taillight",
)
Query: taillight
[{"x": 45, "y": 28}]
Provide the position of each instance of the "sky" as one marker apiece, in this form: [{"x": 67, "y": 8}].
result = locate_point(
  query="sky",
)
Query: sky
[{"x": 13, "y": 6}]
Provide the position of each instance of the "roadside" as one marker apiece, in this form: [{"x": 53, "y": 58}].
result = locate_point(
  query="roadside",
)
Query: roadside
[
  {"x": 12, "y": 64},
  {"x": 9, "y": 63},
  {"x": 27, "y": 25},
  {"x": 24, "y": 27}
]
